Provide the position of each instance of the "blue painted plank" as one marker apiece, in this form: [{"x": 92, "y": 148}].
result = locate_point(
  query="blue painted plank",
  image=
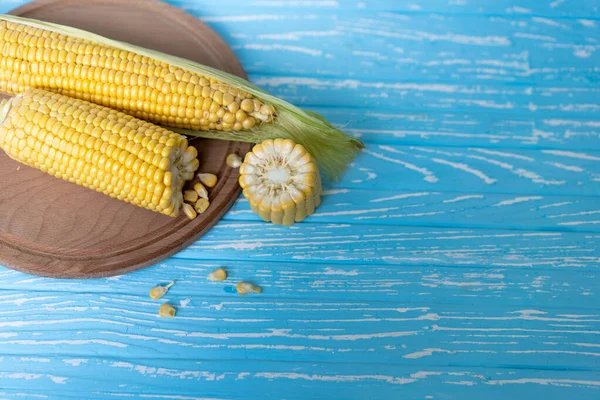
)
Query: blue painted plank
[
  {"x": 475, "y": 170},
  {"x": 152, "y": 378},
  {"x": 264, "y": 328},
  {"x": 447, "y": 209},
  {"x": 374, "y": 244},
  {"x": 371, "y": 45},
  {"x": 481, "y": 129},
  {"x": 453, "y": 7},
  {"x": 375, "y": 45},
  {"x": 297, "y": 282},
  {"x": 400, "y": 95}
]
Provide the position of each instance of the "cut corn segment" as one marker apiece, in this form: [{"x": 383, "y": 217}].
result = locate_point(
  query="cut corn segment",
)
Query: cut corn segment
[
  {"x": 247, "y": 288},
  {"x": 98, "y": 148},
  {"x": 159, "y": 291},
  {"x": 167, "y": 311},
  {"x": 163, "y": 89},
  {"x": 218, "y": 274},
  {"x": 280, "y": 181},
  {"x": 208, "y": 180}
]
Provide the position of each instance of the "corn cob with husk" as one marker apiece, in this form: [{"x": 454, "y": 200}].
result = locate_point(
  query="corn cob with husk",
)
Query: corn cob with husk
[
  {"x": 98, "y": 148},
  {"x": 193, "y": 99}
]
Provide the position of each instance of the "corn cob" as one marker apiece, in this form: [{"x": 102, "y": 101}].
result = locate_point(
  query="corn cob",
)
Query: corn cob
[
  {"x": 281, "y": 181},
  {"x": 196, "y": 100},
  {"x": 98, "y": 148},
  {"x": 154, "y": 91}
]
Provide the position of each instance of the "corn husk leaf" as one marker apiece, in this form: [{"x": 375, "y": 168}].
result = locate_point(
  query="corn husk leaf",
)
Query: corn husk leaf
[{"x": 331, "y": 148}]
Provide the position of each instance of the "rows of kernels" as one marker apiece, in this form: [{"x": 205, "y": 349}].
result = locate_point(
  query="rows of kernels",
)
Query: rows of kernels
[
  {"x": 143, "y": 87},
  {"x": 276, "y": 201},
  {"x": 120, "y": 156}
]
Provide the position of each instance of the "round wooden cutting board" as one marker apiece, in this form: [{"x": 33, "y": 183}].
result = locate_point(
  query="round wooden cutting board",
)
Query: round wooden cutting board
[{"x": 53, "y": 228}]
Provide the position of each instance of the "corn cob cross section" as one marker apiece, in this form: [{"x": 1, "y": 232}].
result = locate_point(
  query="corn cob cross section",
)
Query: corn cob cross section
[
  {"x": 281, "y": 181},
  {"x": 98, "y": 148}
]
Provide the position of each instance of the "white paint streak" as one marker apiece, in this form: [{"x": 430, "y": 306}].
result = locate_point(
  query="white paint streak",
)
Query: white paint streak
[
  {"x": 184, "y": 302},
  {"x": 534, "y": 177},
  {"x": 574, "y": 223},
  {"x": 58, "y": 379},
  {"x": 253, "y": 18},
  {"x": 335, "y": 191},
  {"x": 298, "y": 35},
  {"x": 462, "y": 198},
  {"x": 68, "y": 342},
  {"x": 572, "y": 154},
  {"x": 571, "y": 168},
  {"x": 543, "y": 381},
  {"x": 503, "y": 154},
  {"x": 280, "y": 47},
  {"x": 354, "y": 212},
  {"x": 334, "y": 378},
  {"x": 564, "y": 203},
  {"x": 341, "y": 272},
  {"x": 76, "y": 362},
  {"x": 286, "y": 334},
  {"x": 401, "y": 196},
  {"x": 429, "y": 177},
  {"x": 517, "y": 200},
  {"x": 466, "y": 168},
  {"x": 590, "y": 23},
  {"x": 575, "y": 214}
]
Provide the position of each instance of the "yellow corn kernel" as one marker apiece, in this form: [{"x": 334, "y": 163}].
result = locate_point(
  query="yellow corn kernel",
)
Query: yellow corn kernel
[
  {"x": 190, "y": 196},
  {"x": 159, "y": 291},
  {"x": 60, "y": 135},
  {"x": 201, "y": 190},
  {"x": 167, "y": 311},
  {"x": 218, "y": 274},
  {"x": 201, "y": 205},
  {"x": 233, "y": 160},
  {"x": 208, "y": 180},
  {"x": 244, "y": 288},
  {"x": 189, "y": 211}
]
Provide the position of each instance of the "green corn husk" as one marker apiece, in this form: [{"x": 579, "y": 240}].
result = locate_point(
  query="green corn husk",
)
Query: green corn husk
[{"x": 331, "y": 148}]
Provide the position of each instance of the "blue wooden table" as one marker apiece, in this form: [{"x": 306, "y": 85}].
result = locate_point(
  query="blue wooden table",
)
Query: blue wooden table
[{"x": 458, "y": 258}]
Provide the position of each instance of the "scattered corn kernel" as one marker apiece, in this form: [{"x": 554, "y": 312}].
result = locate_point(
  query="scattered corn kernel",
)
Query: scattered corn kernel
[
  {"x": 233, "y": 160},
  {"x": 218, "y": 274},
  {"x": 247, "y": 288},
  {"x": 159, "y": 291},
  {"x": 190, "y": 196},
  {"x": 201, "y": 190},
  {"x": 189, "y": 211},
  {"x": 209, "y": 180},
  {"x": 167, "y": 310},
  {"x": 202, "y": 205}
]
